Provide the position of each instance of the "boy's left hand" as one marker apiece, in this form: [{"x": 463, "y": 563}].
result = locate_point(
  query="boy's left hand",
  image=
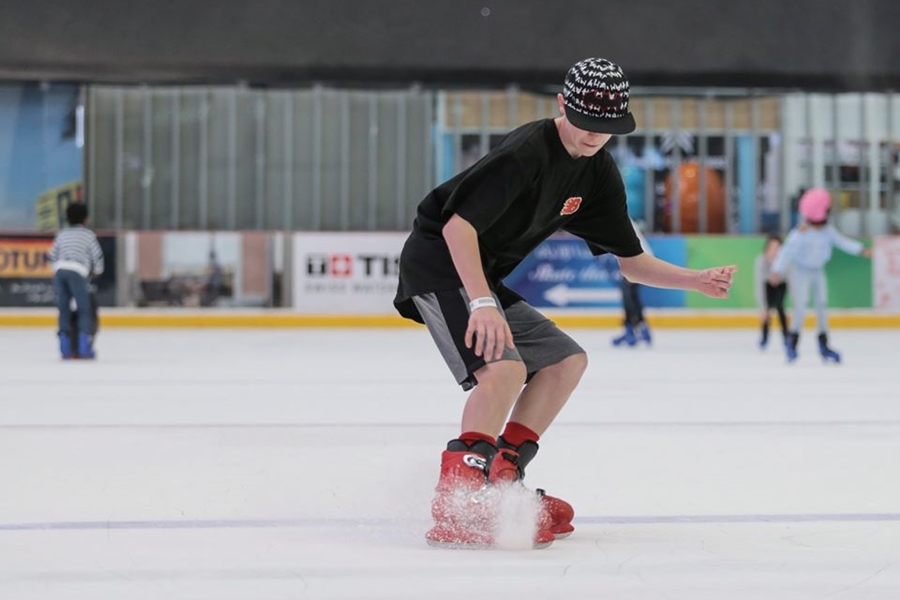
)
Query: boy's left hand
[
  {"x": 867, "y": 252},
  {"x": 716, "y": 282}
]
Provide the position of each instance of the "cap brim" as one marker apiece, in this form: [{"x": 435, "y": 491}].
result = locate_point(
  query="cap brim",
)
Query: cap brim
[{"x": 619, "y": 126}]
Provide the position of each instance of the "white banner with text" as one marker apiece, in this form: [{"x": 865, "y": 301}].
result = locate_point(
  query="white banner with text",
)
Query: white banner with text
[{"x": 346, "y": 273}]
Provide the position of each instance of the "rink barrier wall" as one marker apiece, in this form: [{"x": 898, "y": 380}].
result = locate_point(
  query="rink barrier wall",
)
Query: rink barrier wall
[{"x": 114, "y": 317}]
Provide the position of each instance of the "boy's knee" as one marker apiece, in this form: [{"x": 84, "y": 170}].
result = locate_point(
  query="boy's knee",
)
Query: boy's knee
[
  {"x": 578, "y": 363},
  {"x": 570, "y": 368},
  {"x": 502, "y": 373}
]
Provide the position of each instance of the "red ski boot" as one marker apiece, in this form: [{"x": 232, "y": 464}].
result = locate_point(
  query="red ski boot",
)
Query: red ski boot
[
  {"x": 467, "y": 506},
  {"x": 557, "y": 514}
]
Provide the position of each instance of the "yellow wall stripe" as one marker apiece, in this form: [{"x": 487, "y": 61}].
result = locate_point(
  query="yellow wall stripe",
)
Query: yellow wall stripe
[{"x": 213, "y": 318}]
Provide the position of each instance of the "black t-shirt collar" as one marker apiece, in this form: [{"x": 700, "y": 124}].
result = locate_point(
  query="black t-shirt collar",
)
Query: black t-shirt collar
[{"x": 554, "y": 142}]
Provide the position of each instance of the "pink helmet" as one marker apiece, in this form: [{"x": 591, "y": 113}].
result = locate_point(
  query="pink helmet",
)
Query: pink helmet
[{"x": 814, "y": 205}]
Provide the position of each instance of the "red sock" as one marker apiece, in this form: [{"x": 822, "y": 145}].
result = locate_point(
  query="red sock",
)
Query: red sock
[
  {"x": 470, "y": 437},
  {"x": 517, "y": 434}
]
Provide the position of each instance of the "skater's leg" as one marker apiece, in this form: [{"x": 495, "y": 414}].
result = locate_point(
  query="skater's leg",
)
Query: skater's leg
[
  {"x": 473, "y": 474},
  {"x": 547, "y": 393},
  {"x": 490, "y": 402},
  {"x": 820, "y": 300},
  {"x": 764, "y": 316},
  {"x": 556, "y": 515},
  {"x": 557, "y": 364},
  {"x": 633, "y": 314},
  {"x": 800, "y": 284},
  {"x": 63, "y": 301},
  {"x": 631, "y": 302},
  {"x": 554, "y": 363},
  {"x": 778, "y": 303},
  {"x": 82, "y": 294},
  {"x": 536, "y": 408},
  {"x": 642, "y": 329}
]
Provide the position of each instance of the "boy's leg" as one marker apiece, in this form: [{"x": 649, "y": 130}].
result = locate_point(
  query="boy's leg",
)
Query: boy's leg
[
  {"x": 494, "y": 385},
  {"x": 556, "y": 364},
  {"x": 547, "y": 392},
  {"x": 556, "y": 514},
  {"x": 63, "y": 300},
  {"x": 491, "y": 400},
  {"x": 82, "y": 293},
  {"x": 466, "y": 503},
  {"x": 537, "y": 407},
  {"x": 468, "y": 506}
]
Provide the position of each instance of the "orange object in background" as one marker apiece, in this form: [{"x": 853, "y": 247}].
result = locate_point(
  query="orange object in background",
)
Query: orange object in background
[{"x": 689, "y": 200}]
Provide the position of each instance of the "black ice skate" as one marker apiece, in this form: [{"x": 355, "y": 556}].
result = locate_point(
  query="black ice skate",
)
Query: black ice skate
[
  {"x": 791, "y": 346},
  {"x": 828, "y": 355}
]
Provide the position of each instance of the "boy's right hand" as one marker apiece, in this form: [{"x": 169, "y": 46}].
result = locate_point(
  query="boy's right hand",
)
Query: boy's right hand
[
  {"x": 489, "y": 332},
  {"x": 716, "y": 282}
]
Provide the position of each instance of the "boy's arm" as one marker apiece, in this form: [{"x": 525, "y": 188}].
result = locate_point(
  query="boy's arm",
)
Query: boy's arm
[
  {"x": 649, "y": 270},
  {"x": 488, "y": 330},
  {"x": 53, "y": 255},
  {"x": 96, "y": 256}
]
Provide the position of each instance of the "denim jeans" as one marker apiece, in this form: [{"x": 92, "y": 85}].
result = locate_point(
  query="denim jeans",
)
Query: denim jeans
[{"x": 70, "y": 284}]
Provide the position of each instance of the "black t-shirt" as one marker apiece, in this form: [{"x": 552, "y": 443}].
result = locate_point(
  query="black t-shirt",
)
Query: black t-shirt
[{"x": 515, "y": 197}]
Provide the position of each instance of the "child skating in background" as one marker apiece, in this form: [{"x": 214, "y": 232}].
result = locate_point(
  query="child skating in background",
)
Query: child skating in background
[
  {"x": 75, "y": 256},
  {"x": 636, "y": 329},
  {"x": 769, "y": 296},
  {"x": 807, "y": 250}
]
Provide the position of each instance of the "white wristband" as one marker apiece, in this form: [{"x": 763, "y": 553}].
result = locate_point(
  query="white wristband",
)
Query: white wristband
[{"x": 482, "y": 302}]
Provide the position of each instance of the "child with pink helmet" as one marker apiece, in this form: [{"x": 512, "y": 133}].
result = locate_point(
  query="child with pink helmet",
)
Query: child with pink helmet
[
  {"x": 806, "y": 251},
  {"x": 815, "y": 204}
]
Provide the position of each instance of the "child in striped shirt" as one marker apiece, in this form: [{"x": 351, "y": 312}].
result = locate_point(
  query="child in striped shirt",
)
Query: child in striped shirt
[{"x": 75, "y": 256}]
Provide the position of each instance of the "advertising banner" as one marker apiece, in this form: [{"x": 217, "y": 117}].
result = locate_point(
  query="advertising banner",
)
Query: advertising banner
[
  {"x": 673, "y": 249},
  {"x": 26, "y": 275},
  {"x": 561, "y": 273},
  {"x": 849, "y": 277},
  {"x": 50, "y": 207},
  {"x": 704, "y": 252},
  {"x": 886, "y": 272},
  {"x": 346, "y": 273}
]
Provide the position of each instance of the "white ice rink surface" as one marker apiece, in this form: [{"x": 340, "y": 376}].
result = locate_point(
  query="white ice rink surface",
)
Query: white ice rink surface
[{"x": 284, "y": 464}]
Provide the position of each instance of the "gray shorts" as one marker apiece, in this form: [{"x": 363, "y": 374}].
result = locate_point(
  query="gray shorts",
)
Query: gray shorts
[{"x": 539, "y": 342}]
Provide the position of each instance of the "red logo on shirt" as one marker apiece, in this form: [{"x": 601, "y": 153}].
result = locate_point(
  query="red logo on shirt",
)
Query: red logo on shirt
[{"x": 570, "y": 205}]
